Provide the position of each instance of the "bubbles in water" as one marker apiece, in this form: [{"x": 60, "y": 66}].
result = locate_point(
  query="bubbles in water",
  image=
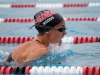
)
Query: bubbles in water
[
  {"x": 55, "y": 48},
  {"x": 3, "y": 54}
]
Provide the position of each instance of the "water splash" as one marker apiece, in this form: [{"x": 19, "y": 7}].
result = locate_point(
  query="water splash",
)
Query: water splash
[
  {"x": 3, "y": 54},
  {"x": 56, "y": 56},
  {"x": 55, "y": 48}
]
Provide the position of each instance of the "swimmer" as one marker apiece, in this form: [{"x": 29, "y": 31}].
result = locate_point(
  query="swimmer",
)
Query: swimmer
[{"x": 51, "y": 28}]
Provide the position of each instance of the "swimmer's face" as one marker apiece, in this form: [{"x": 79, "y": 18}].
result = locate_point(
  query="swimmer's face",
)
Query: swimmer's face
[{"x": 57, "y": 33}]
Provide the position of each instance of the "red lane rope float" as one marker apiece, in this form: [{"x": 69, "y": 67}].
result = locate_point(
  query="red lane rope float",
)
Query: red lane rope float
[
  {"x": 3, "y": 70},
  {"x": 97, "y": 72},
  {"x": 76, "y": 5},
  {"x": 85, "y": 40},
  {"x": 18, "y": 20},
  {"x": 25, "y": 20},
  {"x": 82, "y": 19},
  {"x": 28, "y": 69},
  {"x": 85, "y": 70},
  {"x": 9, "y": 70},
  {"x": 23, "y": 5},
  {"x": 91, "y": 71},
  {"x": 15, "y": 39},
  {"x": 49, "y": 5}
]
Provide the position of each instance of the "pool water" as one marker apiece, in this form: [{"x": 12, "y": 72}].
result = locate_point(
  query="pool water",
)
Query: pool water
[{"x": 87, "y": 54}]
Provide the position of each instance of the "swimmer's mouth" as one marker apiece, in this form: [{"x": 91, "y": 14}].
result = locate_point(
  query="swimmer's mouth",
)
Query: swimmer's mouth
[{"x": 62, "y": 36}]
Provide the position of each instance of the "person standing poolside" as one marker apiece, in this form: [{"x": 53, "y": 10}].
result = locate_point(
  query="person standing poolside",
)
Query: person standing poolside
[{"x": 51, "y": 28}]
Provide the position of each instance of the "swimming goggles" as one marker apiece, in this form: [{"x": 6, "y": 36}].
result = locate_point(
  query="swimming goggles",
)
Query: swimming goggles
[{"x": 61, "y": 29}]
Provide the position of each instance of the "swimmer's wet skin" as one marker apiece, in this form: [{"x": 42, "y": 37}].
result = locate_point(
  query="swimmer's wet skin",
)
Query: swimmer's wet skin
[{"x": 51, "y": 28}]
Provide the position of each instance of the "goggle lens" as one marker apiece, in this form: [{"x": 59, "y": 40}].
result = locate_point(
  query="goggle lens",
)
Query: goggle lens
[{"x": 61, "y": 29}]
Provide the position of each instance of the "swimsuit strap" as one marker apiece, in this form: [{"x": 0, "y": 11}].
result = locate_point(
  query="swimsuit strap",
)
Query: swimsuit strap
[
  {"x": 10, "y": 58},
  {"x": 38, "y": 39}
]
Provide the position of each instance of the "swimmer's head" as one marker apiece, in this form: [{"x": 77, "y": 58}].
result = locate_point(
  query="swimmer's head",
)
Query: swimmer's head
[{"x": 45, "y": 20}]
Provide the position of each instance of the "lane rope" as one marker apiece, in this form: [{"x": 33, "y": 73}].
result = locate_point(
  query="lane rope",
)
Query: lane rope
[
  {"x": 15, "y": 39},
  {"x": 74, "y": 40},
  {"x": 25, "y": 20},
  {"x": 51, "y": 70},
  {"x": 50, "y": 5}
]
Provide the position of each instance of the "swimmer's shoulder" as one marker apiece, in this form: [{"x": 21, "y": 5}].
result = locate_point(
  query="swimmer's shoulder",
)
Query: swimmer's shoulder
[
  {"x": 38, "y": 49},
  {"x": 21, "y": 48},
  {"x": 25, "y": 44}
]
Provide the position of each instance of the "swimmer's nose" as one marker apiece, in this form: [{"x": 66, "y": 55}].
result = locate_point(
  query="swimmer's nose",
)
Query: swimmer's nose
[{"x": 64, "y": 32}]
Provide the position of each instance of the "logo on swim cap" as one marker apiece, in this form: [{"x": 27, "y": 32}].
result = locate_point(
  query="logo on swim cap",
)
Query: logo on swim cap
[
  {"x": 48, "y": 20},
  {"x": 44, "y": 16}
]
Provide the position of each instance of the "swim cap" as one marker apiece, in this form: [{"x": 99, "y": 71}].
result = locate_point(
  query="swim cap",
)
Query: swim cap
[{"x": 46, "y": 20}]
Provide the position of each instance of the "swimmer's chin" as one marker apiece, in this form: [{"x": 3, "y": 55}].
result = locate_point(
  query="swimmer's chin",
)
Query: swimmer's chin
[
  {"x": 62, "y": 37},
  {"x": 60, "y": 42}
]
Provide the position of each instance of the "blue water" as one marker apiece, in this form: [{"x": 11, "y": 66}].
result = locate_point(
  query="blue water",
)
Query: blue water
[{"x": 80, "y": 54}]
